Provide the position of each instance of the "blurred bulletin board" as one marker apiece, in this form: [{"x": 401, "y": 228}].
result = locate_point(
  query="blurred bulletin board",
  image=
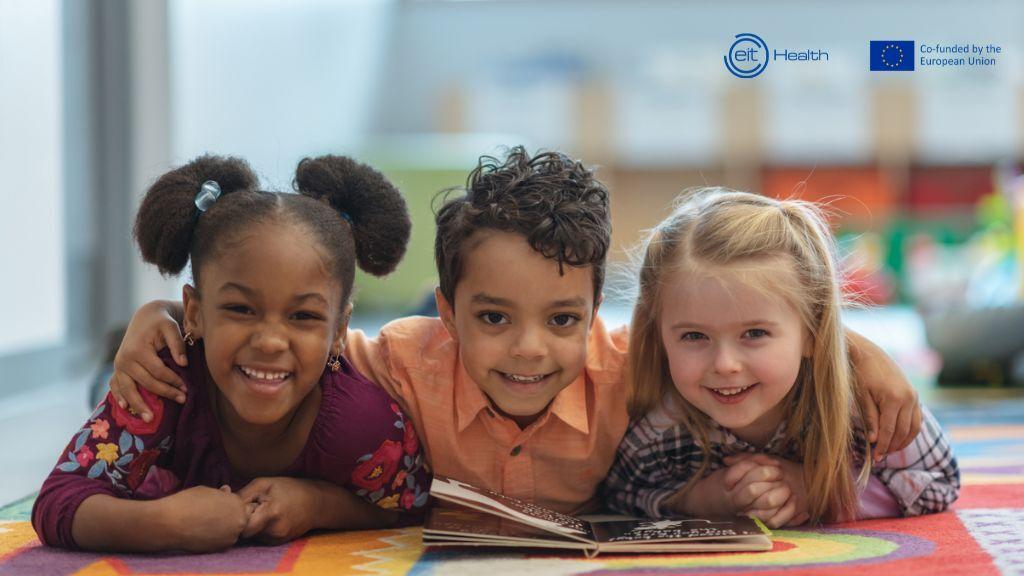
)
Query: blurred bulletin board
[{"x": 947, "y": 189}]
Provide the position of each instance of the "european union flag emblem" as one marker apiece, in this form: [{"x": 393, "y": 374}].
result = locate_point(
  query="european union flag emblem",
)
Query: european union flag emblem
[{"x": 892, "y": 55}]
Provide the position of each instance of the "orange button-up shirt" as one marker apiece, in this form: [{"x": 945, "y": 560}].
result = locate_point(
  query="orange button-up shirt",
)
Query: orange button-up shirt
[{"x": 558, "y": 461}]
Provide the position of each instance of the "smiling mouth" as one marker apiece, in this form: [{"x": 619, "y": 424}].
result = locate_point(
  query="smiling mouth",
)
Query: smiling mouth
[
  {"x": 524, "y": 380},
  {"x": 732, "y": 394},
  {"x": 264, "y": 380}
]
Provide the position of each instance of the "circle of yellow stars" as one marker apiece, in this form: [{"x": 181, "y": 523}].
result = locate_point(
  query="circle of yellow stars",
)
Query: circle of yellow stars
[{"x": 886, "y": 50}]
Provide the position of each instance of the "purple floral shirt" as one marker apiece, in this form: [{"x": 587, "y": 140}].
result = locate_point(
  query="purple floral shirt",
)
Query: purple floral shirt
[{"x": 360, "y": 441}]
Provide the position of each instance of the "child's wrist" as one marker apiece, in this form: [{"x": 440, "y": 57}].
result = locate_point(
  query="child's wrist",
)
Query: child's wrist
[{"x": 166, "y": 529}]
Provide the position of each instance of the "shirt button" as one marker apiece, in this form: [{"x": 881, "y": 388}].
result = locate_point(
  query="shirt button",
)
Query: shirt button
[{"x": 516, "y": 450}]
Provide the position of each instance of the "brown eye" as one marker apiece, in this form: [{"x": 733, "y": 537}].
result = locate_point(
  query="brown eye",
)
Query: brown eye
[
  {"x": 564, "y": 320},
  {"x": 493, "y": 318}
]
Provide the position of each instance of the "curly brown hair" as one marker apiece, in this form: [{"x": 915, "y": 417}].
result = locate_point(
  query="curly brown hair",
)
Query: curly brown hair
[
  {"x": 555, "y": 202},
  {"x": 352, "y": 210}
]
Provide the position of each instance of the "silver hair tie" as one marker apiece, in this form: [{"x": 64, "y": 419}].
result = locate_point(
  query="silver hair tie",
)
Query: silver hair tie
[{"x": 208, "y": 194}]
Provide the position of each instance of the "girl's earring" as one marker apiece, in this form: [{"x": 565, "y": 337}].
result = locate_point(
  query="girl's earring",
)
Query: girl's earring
[
  {"x": 334, "y": 363},
  {"x": 189, "y": 339}
]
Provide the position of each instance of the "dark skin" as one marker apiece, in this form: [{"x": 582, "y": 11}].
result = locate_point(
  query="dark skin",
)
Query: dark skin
[{"x": 272, "y": 307}]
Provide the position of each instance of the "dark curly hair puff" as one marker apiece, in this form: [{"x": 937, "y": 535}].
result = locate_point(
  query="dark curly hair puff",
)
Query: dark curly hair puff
[
  {"x": 351, "y": 209},
  {"x": 555, "y": 202}
]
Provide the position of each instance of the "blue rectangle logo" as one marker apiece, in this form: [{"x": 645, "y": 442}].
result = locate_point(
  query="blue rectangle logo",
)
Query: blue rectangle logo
[{"x": 892, "y": 55}]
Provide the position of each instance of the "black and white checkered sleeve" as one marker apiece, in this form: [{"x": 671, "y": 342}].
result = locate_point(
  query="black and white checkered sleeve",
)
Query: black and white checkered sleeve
[
  {"x": 924, "y": 477},
  {"x": 651, "y": 465}
]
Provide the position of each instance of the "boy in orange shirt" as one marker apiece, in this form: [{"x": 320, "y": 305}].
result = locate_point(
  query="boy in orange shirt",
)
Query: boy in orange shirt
[{"x": 518, "y": 386}]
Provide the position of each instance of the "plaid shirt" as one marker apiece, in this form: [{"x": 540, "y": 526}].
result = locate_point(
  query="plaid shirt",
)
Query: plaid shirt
[{"x": 658, "y": 456}]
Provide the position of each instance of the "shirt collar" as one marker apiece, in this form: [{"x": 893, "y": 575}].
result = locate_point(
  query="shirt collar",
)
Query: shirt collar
[
  {"x": 469, "y": 398},
  {"x": 570, "y": 405}
]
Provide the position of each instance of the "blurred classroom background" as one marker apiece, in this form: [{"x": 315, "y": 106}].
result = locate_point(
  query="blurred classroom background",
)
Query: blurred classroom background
[{"x": 922, "y": 169}]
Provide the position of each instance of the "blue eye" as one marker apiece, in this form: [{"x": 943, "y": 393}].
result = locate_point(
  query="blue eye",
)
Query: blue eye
[
  {"x": 755, "y": 333},
  {"x": 493, "y": 318},
  {"x": 564, "y": 320},
  {"x": 693, "y": 336}
]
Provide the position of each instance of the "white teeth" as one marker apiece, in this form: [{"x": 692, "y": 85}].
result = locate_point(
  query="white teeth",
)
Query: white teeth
[
  {"x": 731, "y": 391},
  {"x": 261, "y": 375},
  {"x": 524, "y": 379}
]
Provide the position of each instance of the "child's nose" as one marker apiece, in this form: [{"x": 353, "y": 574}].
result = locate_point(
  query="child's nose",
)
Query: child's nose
[
  {"x": 529, "y": 343},
  {"x": 269, "y": 339},
  {"x": 727, "y": 361}
]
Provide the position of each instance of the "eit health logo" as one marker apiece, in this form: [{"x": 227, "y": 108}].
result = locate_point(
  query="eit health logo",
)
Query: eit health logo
[
  {"x": 892, "y": 55},
  {"x": 747, "y": 57}
]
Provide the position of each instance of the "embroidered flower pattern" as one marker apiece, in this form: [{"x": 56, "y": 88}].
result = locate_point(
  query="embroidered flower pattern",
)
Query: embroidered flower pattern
[
  {"x": 387, "y": 476},
  {"x": 124, "y": 462},
  {"x": 100, "y": 428}
]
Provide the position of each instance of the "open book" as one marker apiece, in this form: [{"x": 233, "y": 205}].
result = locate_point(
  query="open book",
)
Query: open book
[{"x": 485, "y": 518}]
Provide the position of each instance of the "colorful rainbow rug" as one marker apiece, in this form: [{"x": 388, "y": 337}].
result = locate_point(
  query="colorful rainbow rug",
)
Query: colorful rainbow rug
[{"x": 984, "y": 534}]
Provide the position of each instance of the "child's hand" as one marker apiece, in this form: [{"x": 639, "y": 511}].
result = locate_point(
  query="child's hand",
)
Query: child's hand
[
  {"x": 751, "y": 483},
  {"x": 203, "y": 519},
  {"x": 137, "y": 364},
  {"x": 786, "y": 503},
  {"x": 893, "y": 413},
  {"x": 283, "y": 509}
]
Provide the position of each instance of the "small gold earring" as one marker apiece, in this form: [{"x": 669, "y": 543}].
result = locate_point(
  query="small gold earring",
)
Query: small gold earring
[
  {"x": 189, "y": 339},
  {"x": 334, "y": 363}
]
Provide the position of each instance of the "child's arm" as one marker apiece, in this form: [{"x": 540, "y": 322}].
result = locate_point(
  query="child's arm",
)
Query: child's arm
[
  {"x": 924, "y": 477},
  {"x": 894, "y": 415},
  {"x": 92, "y": 498},
  {"x": 199, "y": 519},
  {"x": 286, "y": 508}
]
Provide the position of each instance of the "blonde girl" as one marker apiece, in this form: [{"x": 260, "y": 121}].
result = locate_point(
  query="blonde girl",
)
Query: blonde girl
[{"x": 744, "y": 400}]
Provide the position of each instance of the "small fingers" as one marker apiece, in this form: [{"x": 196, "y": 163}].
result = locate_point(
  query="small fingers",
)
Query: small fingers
[
  {"x": 131, "y": 395},
  {"x": 115, "y": 391},
  {"x": 736, "y": 472},
  {"x": 773, "y": 498},
  {"x": 886, "y": 430},
  {"x": 799, "y": 519},
  {"x": 747, "y": 495},
  {"x": 902, "y": 436},
  {"x": 257, "y": 522},
  {"x": 172, "y": 338},
  {"x": 785, "y": 514},
  {"x": 162, "y": 374},
  {"x": 871, "y": 418}
]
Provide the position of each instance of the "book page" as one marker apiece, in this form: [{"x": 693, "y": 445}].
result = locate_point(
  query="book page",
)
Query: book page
[
  {"x": 489, "y": 501},
  {"x": 674, "y": 529}
]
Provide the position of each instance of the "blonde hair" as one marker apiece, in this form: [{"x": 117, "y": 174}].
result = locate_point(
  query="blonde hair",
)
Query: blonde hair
[{"x": 713, "y": 231}]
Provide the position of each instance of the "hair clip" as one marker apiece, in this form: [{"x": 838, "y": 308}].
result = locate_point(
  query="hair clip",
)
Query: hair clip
[{"x": 208, "y": 194}]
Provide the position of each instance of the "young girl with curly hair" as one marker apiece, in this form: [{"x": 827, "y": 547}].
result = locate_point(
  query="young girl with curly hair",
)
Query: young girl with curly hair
[{"x": 277, "y": 433}]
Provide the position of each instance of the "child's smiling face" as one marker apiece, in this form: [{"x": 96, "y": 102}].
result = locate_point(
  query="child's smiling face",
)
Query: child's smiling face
[
  {"x": 733, "y": 351},
  {"x": 269, "y": 314},
  {"x": 521, "y": 326}
]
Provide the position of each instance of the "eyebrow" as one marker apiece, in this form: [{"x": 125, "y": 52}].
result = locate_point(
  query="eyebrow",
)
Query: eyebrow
[
  {"x": 482, "y": 298},
  {"x": 692, "y": 325},
  {"x": 252, "y": 293}
]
